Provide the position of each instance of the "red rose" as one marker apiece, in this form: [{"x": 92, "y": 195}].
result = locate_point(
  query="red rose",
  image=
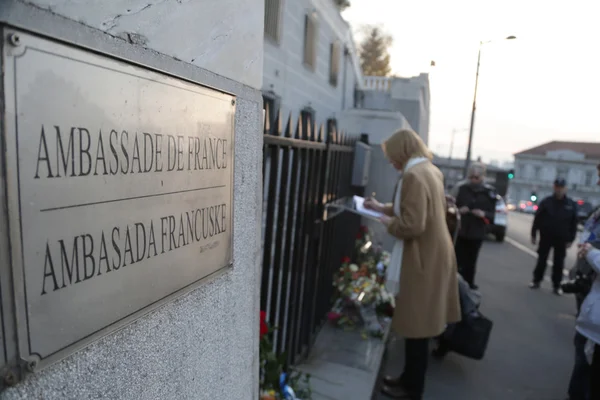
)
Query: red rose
[
  {"x": 345, "y": 260},
  {"x": 264, "y": 328},
  {"x": 333, "y": 316},
  {"x": 359, "y": 235},
  {"x": 364, "y": 229}
]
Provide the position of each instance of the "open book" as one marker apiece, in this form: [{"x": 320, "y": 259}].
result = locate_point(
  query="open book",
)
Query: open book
[{"x": 359, "y": 208}]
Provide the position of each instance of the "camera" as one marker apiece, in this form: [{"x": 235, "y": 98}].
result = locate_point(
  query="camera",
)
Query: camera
[{"x": 582, "y": 284}]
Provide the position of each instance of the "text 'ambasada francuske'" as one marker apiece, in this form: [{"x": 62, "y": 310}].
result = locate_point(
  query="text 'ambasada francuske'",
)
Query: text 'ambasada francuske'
[{"x": 74, "y": 153}]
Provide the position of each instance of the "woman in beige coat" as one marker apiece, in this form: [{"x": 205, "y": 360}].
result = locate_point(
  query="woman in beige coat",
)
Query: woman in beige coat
[{"x": 428, "y": 287}]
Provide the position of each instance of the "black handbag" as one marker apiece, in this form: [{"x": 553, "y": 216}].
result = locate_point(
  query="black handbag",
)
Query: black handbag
[{"x": 470, "y": 336}]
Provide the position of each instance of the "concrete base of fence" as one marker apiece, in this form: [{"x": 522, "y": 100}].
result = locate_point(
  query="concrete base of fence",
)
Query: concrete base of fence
[{"x": 344, "y": 365}]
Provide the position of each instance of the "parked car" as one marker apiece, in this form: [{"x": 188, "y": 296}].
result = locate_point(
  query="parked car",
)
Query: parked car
[
  {"x": 498, "y": 227},
  {"x": 584, "y": 209},
  {"x": 527, "y": 207}
]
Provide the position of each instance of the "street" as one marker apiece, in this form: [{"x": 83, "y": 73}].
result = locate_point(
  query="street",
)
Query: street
[
  {"x": 519, "y": 233},
  {"x": 530, "y": 353}
]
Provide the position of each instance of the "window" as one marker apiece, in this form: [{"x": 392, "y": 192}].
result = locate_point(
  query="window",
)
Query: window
[
  {"x": 589, "y": 178},
  {"x": 310, "y": 41},
  {"x": 334, "y": 62},
  {"x": 537, "y": 174},
  {"x": 272, "y": 19},
  {"x": 562, "y": 172}
]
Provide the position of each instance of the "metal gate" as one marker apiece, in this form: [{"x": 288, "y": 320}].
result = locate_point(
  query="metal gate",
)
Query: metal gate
[{"x": 304, "y": 168}]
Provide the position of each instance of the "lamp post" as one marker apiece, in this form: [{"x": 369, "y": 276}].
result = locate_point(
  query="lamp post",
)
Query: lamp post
[{"x": 471, "y": 127}]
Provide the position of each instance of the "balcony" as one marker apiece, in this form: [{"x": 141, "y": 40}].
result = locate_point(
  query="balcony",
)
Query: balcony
[{"x": 378, "y": 83}]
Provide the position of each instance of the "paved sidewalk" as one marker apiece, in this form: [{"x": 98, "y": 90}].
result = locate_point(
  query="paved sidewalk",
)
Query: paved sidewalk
[
  {"x": 530, "y": 354},
  {"x": 343, "y": 365}
]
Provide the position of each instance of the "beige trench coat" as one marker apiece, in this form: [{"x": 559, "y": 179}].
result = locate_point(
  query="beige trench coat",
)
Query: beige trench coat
[{"x": 428, "y": 297}]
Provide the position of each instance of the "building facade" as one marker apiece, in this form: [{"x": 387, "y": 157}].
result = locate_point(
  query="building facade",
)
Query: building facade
[
  {"x": 310, "y": 61},
  {"x": 537, "y": 168},
  {"x": 312, "y": 69},
  {"x": 409, "y": 96},
  {"x": 453, "y": 171}
]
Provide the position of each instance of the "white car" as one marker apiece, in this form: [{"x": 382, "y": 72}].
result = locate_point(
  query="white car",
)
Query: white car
[{"x": 498, "y": 227}]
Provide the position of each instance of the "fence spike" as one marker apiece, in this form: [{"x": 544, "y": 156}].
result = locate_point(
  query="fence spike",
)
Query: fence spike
[
  {"x": 321, "y": 133},
  {"x": 288, "y": 128},
  {"x": 298, "y": 127},
  {"x": 278, "y": 124},
  {"x": 315, "y": 133},
  {"x": 267, "y": 121}
]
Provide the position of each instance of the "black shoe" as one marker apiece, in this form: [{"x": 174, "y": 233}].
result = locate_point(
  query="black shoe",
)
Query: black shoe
[
  {"x": 397, "y": 392},
  {"x": 534, "y": 285},
  {"x": 558, "y": 291},
  {"x": 440, "y": 352},
  {"x": 389, "y": 380}
]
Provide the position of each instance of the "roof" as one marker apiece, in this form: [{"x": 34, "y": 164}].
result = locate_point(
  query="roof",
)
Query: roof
[
  {"x": 589, "y": 149},
  {"x": 460, "y": 163}
]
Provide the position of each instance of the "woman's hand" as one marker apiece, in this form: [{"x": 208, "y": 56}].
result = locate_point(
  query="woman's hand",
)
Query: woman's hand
[
  {"x": 464, "y": 209},
  {"x": 385, "y": 220},
  {"x": 584, "y": 249},
  {"x": 372, "y": 204}
]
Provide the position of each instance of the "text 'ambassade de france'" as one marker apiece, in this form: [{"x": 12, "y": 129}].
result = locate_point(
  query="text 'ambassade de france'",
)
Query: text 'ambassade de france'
[{"x": 80, "y": 152}]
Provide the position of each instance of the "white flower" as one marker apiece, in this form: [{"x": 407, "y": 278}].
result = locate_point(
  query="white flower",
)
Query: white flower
[{"x": 353, "y": 267}]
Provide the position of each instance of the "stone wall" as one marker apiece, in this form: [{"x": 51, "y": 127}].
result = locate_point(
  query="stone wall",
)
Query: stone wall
[{"x": 204, "y": 344}]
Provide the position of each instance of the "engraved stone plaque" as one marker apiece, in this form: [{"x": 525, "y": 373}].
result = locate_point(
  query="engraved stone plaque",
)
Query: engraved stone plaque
[{"x": 119, "y": 186}]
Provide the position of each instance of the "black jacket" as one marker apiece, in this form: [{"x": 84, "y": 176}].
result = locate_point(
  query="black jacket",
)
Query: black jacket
[
  {"x": 556, "y": 219},
  {"x": 480, "y": 197}
]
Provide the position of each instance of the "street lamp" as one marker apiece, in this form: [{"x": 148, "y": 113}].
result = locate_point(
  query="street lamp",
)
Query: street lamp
[{"x": 468, "y": 159}]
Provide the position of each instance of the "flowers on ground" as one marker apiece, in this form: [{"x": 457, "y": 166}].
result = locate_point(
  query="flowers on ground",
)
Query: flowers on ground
[
  {"x": 275, "y": 382},
  {"x": 360, "y": 286}
]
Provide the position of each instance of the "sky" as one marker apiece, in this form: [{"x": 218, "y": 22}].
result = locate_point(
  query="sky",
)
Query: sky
[{"x": 543, "y": 86}]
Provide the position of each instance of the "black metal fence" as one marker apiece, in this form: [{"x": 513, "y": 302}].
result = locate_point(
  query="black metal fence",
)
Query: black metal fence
[{"x": 303, "y": 169}]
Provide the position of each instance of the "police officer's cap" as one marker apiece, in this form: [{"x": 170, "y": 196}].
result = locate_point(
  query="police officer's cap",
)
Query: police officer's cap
[{"x": 560, "y": 182}]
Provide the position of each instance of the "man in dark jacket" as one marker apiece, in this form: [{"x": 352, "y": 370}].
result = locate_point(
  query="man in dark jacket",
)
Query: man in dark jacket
[
  {"x": 476, "y": 202},
  {"x": 556, "y": 220}
]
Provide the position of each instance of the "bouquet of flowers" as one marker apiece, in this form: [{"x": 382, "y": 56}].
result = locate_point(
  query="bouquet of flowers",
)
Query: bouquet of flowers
[{"x": 360, "y": 286}]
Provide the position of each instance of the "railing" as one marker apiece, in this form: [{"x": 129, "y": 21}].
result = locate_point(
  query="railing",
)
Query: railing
[
  {"x": 303, "y": 169},
  {"x": 380, "y": 83}
]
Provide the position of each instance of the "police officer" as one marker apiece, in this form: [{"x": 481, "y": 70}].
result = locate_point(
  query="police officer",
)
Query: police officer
[
  {"x": 476, "y": 202},
  {"x": 556, "y": 220}
]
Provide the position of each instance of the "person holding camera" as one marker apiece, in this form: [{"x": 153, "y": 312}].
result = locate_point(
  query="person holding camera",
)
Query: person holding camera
[
  {"x": 588, "y": 321},
  {"x": 556, "y": 220},
  {"x": 584, "y": 277}
]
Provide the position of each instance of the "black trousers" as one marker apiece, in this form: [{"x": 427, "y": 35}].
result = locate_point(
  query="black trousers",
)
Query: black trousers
[
  {"x": 416, "y": 355},
  {"x": 467, "y": 251},
  {"x": 559, "y": 250},
  {"x": 595, "y": 375},
  {"x": 579, "y": 386}
]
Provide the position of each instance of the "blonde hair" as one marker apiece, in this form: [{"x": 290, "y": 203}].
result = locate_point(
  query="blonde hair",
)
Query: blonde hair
[{"x": 404, "y": 145}]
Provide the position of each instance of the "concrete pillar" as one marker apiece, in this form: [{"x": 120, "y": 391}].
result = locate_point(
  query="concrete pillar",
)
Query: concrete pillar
[{"x": 201, "y": 343}]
